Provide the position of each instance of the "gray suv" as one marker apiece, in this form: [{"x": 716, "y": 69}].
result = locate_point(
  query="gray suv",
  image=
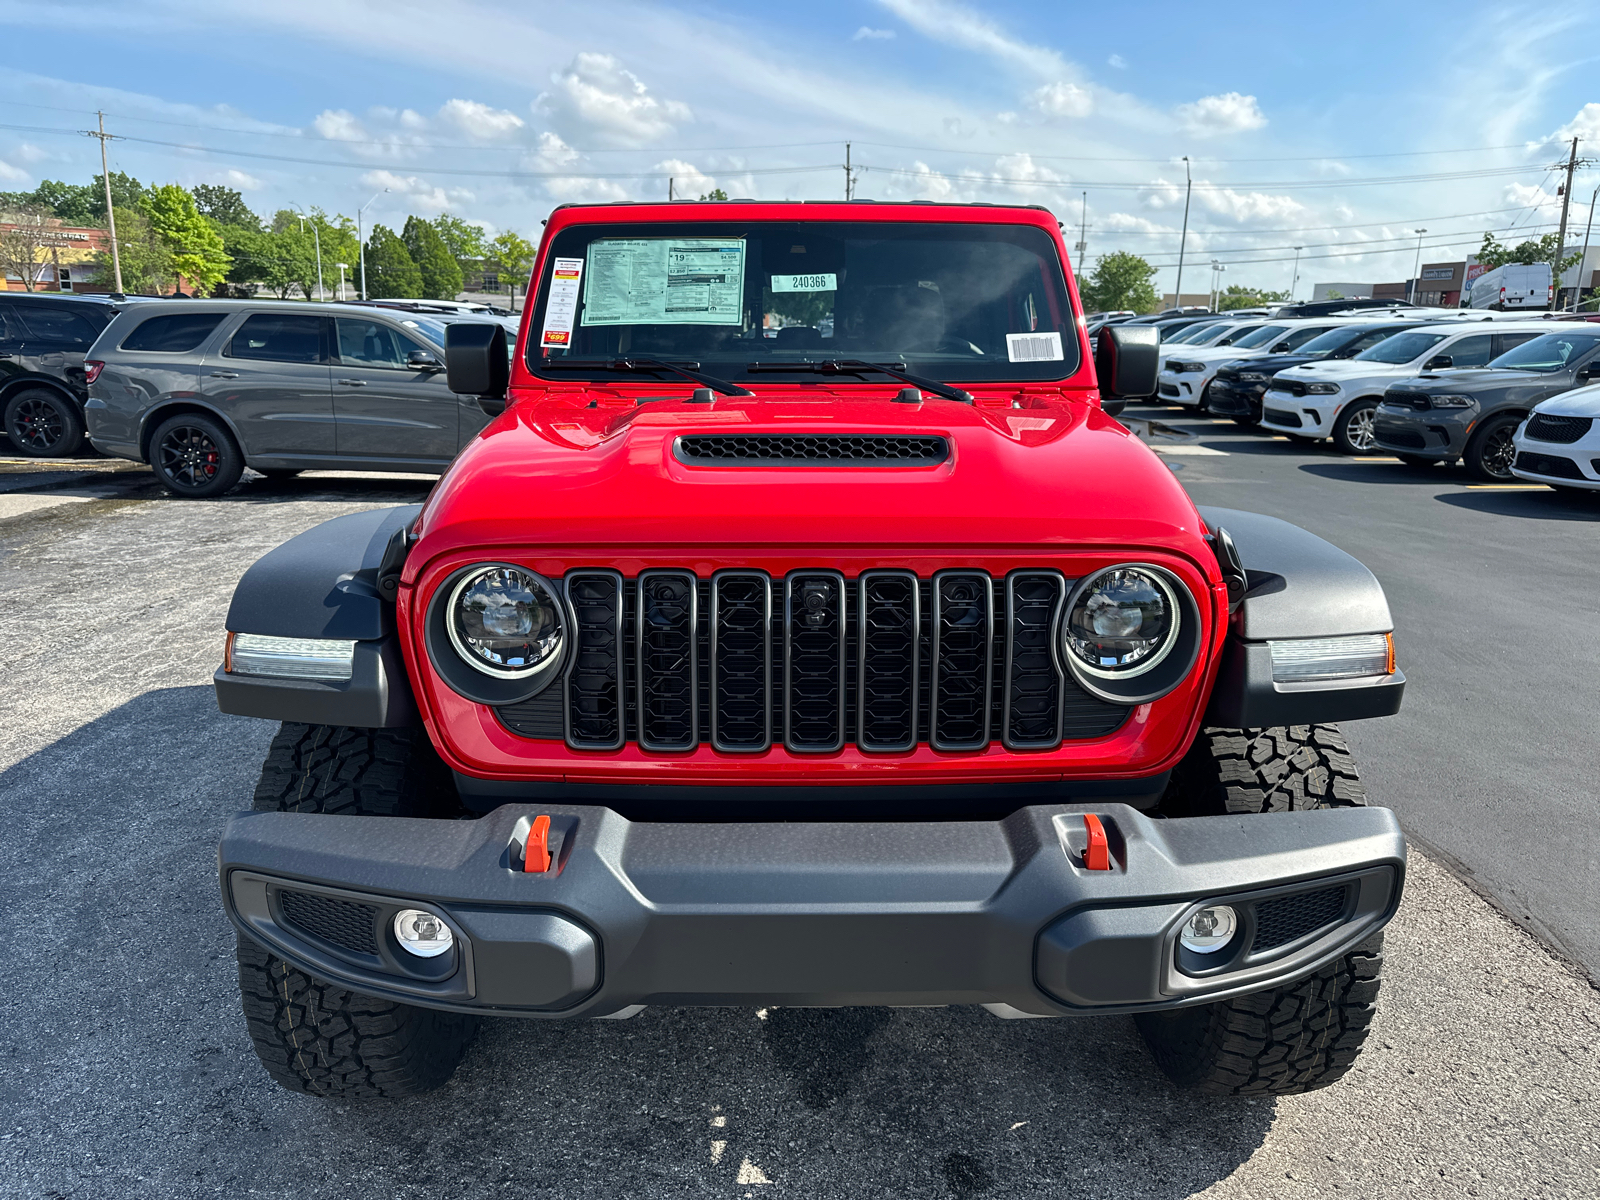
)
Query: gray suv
[
  {"x": 1471, "y": 415},
  {"x": 202, "y": 389}
]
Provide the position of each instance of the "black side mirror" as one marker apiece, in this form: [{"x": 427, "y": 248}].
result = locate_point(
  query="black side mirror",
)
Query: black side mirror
[
  {"x": 476, "y": 360},
  {"x": 1282, "y": 347},
  {"x": 1439, "y": 362},
  {"x": 421, "y": 360},
  {"x": 1126, "y": 362}
]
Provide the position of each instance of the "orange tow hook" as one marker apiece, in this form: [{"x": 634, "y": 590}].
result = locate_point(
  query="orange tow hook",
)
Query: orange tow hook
[
  {"x": 536, "y": 857},
  {"x": 1096, "y": 850}
]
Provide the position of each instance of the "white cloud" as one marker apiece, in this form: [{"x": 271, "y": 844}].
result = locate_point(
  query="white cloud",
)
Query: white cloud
[
  {"x": 868, "y": 34},
  {"x": 688, "y": 180},
  {"x": 417, "y": 193},
  {"x": 1014, "y": 176},
  {"x": 555, "y": 155},
  {"x": 479, "y": 120},
  {"x": 1524, "y": 195},
  {"x": 29, "y": 153},
  {"x": 1228, "y": 113},
  {"x": 11, "y": 174},
  {"x": 1585, "y": 125},
  {"x": 337, "y": 125},
  {"x": 957, "y": 25},
  {"x": 1117, "y": 61},
  {"x": 1223, "y": 201},
  {"x": 1062, "y": 99},
  {"x": 597, "y": 96},
  {"x": 241, "y": 181}
]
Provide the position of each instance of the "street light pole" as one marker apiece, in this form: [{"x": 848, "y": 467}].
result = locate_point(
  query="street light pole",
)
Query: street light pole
[
  {"x": 1583, "y": 259},
  {"x": 1416, "y": 267},
  {"x": 1294, "y": 277},
  {"x": 361, "y": 241},
  {"x": 342, "y": 268},
  {"x": 316, "y": 238},
  {"x": 1183, "y": 241}
]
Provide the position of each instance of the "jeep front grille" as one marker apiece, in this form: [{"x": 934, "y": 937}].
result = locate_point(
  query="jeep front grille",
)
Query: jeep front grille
[{"x": 814, "y": 661}]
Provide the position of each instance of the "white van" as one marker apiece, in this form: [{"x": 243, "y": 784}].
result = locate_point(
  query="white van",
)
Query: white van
[{"x": 1513, "y": 286}]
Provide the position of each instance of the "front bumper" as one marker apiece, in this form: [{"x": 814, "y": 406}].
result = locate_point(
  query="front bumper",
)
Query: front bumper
[
  {"x": 1181, "y": 387},
  {"x": 1231, "y": 398},
  {"x": 1437, "y": 433},
  {"x": 1560, "y": 464},
  {"x": 1003, "y": 913}
]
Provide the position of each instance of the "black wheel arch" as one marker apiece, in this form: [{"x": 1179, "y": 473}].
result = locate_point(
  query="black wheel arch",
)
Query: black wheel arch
[
  {"x": 150, "y": 421},
  {"x": 27, "y": 381}
]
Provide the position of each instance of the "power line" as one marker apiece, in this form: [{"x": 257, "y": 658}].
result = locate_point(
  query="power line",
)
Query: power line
[
  {"x": 1288, "y": 184},
  {"x": 1198, "y": 158}
]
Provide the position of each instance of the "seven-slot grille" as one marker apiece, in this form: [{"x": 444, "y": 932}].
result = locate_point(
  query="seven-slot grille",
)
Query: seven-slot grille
[
  {"x": 1561, "y": 430},
  {"x": 813, "y": 661}
]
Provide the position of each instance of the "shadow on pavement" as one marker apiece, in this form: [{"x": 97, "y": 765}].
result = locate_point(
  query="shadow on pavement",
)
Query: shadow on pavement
[
  {"x": 1384, "y": 473},
  {"x": 1544, "y": 505},
  {"x": 128, "y": 999}
]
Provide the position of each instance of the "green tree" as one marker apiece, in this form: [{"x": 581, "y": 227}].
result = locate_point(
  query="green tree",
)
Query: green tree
[
  {"x": 391, "y": 271},
  {"x": 146, "y": 258},
  {"x": 441, "y": 274},
  {"x": 197, "y": 250},
  {"x": 1120, "y": 280},
  {"x": 280, "y": 259},
  {"x": 84, "y": 203},
  {"x": 715, "y": 194},
  {"x": 513, "y": 257},
  {"x": 1237, "y": 296},
  {"x": 466, "y": 241},
  {"x": 1495, "y": 253},
  {"x": 225, "y": 206}
]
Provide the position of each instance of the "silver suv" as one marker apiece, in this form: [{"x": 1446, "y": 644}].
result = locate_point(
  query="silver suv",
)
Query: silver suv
[{"x": 202, "y": 389}]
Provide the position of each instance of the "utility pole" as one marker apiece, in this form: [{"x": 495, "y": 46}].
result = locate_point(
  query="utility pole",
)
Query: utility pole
[
  {"x": 105, "y": 178},
  {"x": 1082, "y": 248},
  {"x": 1294, "y": 276},
  {"x": 1561, "y": 236},
  {"x": 1416, "y": 267},
  {"x": 669, "y": 189},
  {"x": 1183, "y": 241},
  {"x": 849, "y": 179}
]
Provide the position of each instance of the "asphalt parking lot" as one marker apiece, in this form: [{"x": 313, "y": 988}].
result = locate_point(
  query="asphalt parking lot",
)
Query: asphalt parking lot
[{"x": 127, "y": 1071}]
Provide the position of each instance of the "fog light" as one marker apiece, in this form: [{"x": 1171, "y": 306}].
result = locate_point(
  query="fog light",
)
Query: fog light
[
  {"x": 1209, "y": 930},
  {"x": 424, "y": 934}
]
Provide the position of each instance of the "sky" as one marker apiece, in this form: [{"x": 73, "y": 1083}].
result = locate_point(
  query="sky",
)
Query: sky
[{"x": 1341, "y": 129}]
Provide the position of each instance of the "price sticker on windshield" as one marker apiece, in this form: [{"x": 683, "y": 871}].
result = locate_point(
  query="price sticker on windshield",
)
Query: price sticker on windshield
[
  {"x": 1034, "y": 347},
  {"x": 805, "y": 283},
  {"x": 562, "y": 302}
]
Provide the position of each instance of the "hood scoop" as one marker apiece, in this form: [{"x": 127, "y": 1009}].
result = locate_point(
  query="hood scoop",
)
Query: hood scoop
[{"x": 810, "y": 450}]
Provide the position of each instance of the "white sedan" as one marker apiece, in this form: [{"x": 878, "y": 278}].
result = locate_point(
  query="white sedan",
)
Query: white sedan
[
  {"x": 1185, "y": 375},
  {"x": 1559, "y": 443}
]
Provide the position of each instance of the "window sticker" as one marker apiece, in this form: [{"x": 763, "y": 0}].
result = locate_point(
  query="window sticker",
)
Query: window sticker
[
  {"x": 562, "y": 305},
  {"x": 805, "y": 283},
  {"x": 664, "y": 281},
  {"x": 1034, "y": 347}
]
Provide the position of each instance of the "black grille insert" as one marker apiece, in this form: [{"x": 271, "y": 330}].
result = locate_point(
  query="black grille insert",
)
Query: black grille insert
[
  {"x": 1561, "y": 430},
  {"x": 963, "y": 660},
  {"x": 887, "y": 671},
  {"x": 814, "y": 661},
  {"x": 594, "y": 682},
  {"x": 1278, "y": 417},
  {"x": 741, "y": 660},
  {"x": 1033, "y": 683},
  {"x": 1409, "y": 438},
  {"x": 1285, "y": 919},
  {"x": 667, "y": 672},
  {"x": 344, "y": 923},
  {"x": 809, "y": 449},
  {"x": 1552, "y": 465}
]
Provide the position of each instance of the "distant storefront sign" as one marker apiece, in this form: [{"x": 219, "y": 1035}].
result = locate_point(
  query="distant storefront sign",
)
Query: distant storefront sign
[{"x": 1438, "y": 272}]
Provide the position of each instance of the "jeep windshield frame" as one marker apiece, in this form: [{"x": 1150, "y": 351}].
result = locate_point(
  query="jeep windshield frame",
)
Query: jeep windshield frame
[{"x": 936, "y": 299}]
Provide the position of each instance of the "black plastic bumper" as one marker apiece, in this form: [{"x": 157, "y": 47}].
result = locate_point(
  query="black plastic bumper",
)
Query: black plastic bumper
[
  {"x": 1236, "y": 399},
  {"x": 1001, "y": 913}
]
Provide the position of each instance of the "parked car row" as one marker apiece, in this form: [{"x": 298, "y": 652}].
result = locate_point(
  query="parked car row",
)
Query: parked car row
[{"x": 1506, "y": 396}]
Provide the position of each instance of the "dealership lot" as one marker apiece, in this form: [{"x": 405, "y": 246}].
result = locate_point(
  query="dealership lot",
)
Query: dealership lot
[{"x": 116, "y": 771}]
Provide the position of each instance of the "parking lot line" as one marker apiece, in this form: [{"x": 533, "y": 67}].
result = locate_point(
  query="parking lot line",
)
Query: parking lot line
[{"x": 1507, "y": 487}]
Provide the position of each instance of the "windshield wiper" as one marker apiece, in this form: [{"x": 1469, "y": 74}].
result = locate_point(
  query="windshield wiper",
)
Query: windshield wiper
[
  {"x": 859, "y": 366},
  {"x": 689, "y": 370}
]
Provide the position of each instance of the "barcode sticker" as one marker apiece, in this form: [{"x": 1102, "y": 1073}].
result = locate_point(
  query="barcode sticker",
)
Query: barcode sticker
[{"x": 1034, "y": 347}]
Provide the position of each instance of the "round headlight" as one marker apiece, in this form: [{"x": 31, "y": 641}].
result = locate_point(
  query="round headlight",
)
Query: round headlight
[
  {"x": 1122, "y": 623},
  {"x": 506, "y": 621}
]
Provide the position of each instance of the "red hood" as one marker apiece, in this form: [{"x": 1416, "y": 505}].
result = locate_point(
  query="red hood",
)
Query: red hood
[{"x": 1024, "y": 471}]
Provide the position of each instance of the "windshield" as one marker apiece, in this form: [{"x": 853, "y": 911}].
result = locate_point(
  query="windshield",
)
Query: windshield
[
  {"x": 1188, "y": 336},
  {"x": 1401, "y": 348},
  {"x": 1548, "y": 353},
  {"x": 964, "y": 302},
  {"x": 1261, "y": 337},
  {"x": 1231, "y": 338},
  {"x": 1348, "y": 340}
]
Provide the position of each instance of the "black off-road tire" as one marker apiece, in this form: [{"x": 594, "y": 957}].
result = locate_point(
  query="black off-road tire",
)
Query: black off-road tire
[
  {"x": 42, "y": 423},
  {"x": 1296, "y": 1038},
  {"x": 322, "y": 1038},
  {"x": 1303, "y": 1035}
]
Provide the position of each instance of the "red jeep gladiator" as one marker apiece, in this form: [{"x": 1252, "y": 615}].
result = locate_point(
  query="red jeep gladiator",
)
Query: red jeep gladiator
[{"x": 802, "y": 630}]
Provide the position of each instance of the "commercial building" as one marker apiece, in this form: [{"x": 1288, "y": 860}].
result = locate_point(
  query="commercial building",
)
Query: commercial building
[
  {"x": 59, "y": 257},
  {"x": 1340, "y": 291}
]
